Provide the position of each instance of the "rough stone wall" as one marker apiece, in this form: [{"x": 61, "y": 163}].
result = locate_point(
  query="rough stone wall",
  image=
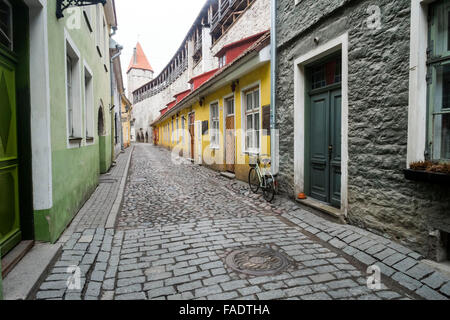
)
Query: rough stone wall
[
  {"x": 380, "y": 199},
  {"x": 256, "y": 19}
]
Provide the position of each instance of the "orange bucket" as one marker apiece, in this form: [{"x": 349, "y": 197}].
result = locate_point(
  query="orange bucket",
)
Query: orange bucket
[{"x": 302, "y": 196}]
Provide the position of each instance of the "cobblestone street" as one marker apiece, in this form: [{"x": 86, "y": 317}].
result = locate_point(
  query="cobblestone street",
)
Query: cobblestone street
[{"x": 180, "y": 226}]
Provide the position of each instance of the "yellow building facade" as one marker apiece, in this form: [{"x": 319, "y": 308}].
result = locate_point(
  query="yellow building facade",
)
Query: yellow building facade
[{"x": 224, "y": 123}]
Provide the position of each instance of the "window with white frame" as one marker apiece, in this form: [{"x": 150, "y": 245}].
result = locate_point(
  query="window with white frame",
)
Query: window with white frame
[
  {"x": 214, "y": 120},
  {"x": 73, "y": 92},
  {"x": 177, "y": 135},
  {"x": 222, "y": 61},
  {"x": 183, "y": 119},
  {"x": 229, "y": 106},
  {"x": 88, "y": 104},
  {"x": 438, "y": 80},
  {"x": 6, "y": 30},
  {"x": 173, "y": 136},
  {"x": 252, "y": 120}
]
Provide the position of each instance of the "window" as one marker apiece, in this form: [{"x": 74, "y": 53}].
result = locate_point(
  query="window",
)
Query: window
[
  {"x": 438, "y": 78},
  {"x": 229, "y": 105},
  {"x": 88, "y": 104},
  {"x": 252, "y": 122},
  {"x": 326, "y": 74},
  {"x": 183, "y": 119},
  {"x": 73, "y": 92},
  {"x": 222, "y": 61},
  {"x": 215, "y": 131},
  {"x": 178, "y": 137},
  {"x": 173, "y": 136},
  {"x": 6, "y": 32},
  {"x": 70, "y": 71}
]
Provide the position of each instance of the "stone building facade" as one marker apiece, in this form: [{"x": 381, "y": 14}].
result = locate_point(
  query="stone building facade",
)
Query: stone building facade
[
  {"x": 196, "y": 54},
  {"x": 381, "y": 48}
]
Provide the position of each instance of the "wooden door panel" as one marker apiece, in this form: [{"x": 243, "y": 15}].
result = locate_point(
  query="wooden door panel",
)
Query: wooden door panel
[
  {"x": 230, "y": 151},
  {"x": 336, "y": 142},
  {"x": 319, "y": 165},
  {"x": 10, "y": 233}
]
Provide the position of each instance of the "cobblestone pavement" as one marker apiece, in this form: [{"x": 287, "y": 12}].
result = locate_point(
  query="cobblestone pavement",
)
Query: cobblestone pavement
[{"x": 181, "y": 226}]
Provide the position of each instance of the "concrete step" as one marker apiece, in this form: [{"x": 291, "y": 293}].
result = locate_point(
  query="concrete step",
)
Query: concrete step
[
  {"x": 322, "y": 207},
  {"x": 14, "y": 257},
  {"x": 23, "y": 281},
  {"x": 228, "y": 175}
]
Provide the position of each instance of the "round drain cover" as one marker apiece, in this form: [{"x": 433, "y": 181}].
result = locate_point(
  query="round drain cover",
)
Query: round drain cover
[{"x": 257, "y": 261}]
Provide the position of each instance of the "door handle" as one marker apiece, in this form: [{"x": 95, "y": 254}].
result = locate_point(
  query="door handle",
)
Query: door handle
[{"x": 330, "y": 151}]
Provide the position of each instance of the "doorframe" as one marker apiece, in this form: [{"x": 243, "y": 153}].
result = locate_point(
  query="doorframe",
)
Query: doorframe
[
  {"x": 224, "y": 123},
  {"x": 300, "y": 101}
]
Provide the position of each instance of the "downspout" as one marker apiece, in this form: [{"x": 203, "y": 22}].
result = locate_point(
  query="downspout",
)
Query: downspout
[
  {"x": 111, "y": 68},
  {"x": 273, "y": 73}
]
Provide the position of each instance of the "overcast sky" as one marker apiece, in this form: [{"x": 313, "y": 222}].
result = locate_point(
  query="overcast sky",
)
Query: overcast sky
[{"x": 159, "y": 25}]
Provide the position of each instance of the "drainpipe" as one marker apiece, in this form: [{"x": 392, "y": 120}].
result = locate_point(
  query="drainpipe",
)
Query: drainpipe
[
  {"x": 273, "y": 74},
  {"x": 111, "y": 68}
]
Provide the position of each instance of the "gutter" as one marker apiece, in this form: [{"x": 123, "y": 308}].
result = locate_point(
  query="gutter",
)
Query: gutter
[{"x": 273, "y": 97}]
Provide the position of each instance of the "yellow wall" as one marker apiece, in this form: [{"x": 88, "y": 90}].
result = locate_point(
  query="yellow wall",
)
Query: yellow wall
[{"x": 261, "y": 77}]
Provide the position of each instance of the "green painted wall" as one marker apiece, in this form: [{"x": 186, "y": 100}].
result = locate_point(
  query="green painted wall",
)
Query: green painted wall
[
  {"x": 1, "y": 285},
  {"x": 75, "y": 170}
]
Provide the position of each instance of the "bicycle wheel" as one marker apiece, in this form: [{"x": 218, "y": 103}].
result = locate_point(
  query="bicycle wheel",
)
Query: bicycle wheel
[
  {"x": 269, "y": 190},
  {"x": 253, "y": 180}
]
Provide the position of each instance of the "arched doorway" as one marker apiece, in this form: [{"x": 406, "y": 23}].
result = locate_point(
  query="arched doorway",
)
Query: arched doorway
[
  {"x": 101, "y": 122},
  {"x": 102, "y": 141}
]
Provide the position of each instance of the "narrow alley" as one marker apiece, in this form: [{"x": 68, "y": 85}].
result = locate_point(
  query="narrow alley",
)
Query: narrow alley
[{"x": 185, "y": 232}]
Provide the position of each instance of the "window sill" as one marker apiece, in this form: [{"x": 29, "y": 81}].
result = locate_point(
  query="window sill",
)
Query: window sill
[
  {"x": 89, "y": 139},
  {"x": 75, "y": 139},
  {"x": 425, "y": 176},
  {"x": 214, "y": 147}
]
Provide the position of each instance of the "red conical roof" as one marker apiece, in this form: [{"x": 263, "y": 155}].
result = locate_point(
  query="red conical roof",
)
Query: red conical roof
[{"x": 139, "y": 60}]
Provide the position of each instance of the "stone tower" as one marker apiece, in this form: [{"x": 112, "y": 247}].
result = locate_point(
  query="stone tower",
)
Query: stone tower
[{"x": 139, "y": 71}]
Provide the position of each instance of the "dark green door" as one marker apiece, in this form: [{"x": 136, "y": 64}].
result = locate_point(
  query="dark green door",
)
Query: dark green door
[
  {"x": 10, "y": 233},
  {"x": 324, "y": 160}
]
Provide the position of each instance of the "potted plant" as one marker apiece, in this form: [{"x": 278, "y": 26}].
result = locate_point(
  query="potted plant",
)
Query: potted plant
[{"x": 435, "y": 172}]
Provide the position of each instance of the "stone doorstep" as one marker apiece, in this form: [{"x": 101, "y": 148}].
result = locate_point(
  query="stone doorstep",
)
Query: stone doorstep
[
  {"x": 24, "y": 280},
  {"x": 228, "y": 175},
  {"x": 323, "y": 207},
  {"x": 14, "y": 256}
]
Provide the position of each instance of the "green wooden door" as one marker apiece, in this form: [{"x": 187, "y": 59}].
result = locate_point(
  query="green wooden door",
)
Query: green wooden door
[
  {"x": 325, "y": 147},
  {"x": 10, "y": 233}
]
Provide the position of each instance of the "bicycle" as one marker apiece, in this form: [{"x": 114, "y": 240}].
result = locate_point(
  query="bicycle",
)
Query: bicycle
[{"x": 261, "y": 177}]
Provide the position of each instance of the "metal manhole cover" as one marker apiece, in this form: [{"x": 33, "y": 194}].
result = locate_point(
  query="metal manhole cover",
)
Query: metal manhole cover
[{"x": 257, "y": 261}]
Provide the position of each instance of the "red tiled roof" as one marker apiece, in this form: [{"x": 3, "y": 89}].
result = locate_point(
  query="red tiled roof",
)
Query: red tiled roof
[
  {"x": 139, "y": 60},
  {"x": 202, "y": 78}
]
